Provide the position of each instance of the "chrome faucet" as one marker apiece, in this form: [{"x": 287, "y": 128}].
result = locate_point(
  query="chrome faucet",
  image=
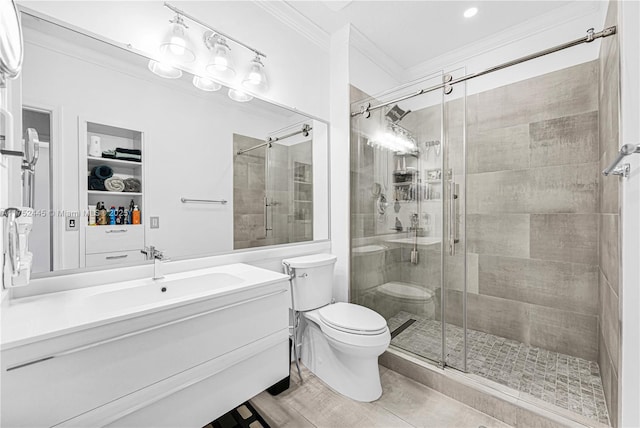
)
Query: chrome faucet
[{"x": 158, "y": 257}]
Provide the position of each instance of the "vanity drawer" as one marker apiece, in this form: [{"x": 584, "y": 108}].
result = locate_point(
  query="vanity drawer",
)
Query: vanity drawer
[
  {"x": 107, "y": 239},
  {"x": 114, "y": 258},
  {"x": 50, "y": 390}
]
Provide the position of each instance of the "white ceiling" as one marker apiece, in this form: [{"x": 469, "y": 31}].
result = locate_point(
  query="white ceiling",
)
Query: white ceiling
[{"x": 412, "y": 32}]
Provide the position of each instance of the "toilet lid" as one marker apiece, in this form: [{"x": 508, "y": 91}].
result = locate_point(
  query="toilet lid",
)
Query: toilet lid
[{"x": 352, "y": 318}]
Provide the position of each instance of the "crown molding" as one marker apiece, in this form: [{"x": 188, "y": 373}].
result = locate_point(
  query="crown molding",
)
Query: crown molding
[
  {"x": 370, "y": 50},
  {"x": 295, "y": 20},
  {"x": 575, "y": 10}
]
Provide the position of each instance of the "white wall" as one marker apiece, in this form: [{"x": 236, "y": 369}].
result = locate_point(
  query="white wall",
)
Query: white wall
[
  {"x": 629, "y": 33},
  {"x": 188, "y": 141},
  {"x": 298, "y": 70},
  {"x": 340, "y": 160}
]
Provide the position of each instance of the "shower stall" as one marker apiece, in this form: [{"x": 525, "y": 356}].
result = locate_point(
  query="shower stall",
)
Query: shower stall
[
  {"x": 475, "y": 214},
  {"x": 273, "y": 188}
]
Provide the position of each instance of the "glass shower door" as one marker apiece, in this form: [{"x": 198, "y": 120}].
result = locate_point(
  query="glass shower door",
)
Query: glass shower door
[{"x": 398, "y": 191}]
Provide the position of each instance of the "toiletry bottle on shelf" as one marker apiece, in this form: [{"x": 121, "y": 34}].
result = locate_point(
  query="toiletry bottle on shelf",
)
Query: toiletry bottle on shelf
[
  {"x": 102, "y": 215},
  {"x": 131, "y": 205},
  {"x": 92, "y": 215},
  {"x": 136, "y": 215},
  {"x": 112, "y": 215},
  {"x": 120, "y": 217}
]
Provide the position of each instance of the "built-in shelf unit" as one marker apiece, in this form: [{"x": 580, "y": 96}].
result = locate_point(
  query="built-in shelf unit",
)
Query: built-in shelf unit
[{"x": 103, "y": 245}]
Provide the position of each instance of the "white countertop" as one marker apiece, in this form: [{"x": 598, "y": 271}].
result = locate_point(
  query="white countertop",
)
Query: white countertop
[{"x": 30, "y": 319}]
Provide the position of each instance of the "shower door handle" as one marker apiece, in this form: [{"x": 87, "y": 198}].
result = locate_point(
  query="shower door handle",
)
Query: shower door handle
[{"x": 452, "y": 218}]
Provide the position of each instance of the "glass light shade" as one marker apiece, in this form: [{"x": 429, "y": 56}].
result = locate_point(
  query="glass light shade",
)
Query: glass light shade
[
  {"x": 239, "y": 96},
  {"x": 256, "y": 79},
  {"x": 165, "y": 70},
  {"x": 206, "y": 84},
  {"x": 221, "y": 63},
  {"x": 177, "y": 46}
]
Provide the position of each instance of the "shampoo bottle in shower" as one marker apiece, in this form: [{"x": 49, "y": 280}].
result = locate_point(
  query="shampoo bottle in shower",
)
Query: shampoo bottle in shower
[{"x": 136, "y": 215}]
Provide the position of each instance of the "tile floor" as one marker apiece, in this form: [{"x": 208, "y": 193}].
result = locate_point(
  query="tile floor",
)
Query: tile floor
[
  {"x": 565, "y": 381},
  {"x": 404, "y": 403}
]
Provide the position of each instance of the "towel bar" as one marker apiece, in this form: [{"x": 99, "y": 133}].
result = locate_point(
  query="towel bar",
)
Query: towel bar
[
  {"x": 202, "y": 201},
  {"x": 622, "y": 170}
]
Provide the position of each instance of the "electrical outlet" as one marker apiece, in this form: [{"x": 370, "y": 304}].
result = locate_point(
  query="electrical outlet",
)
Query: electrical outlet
[
  {"x": 154, "y": 222},
  {"x": 72, "y": 222}
]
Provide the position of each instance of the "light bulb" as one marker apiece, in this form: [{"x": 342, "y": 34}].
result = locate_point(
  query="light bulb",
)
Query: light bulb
[
  {"x": 177, "y": 46},
  {"x": 163, "y": 69},
  {"x": 239, "y": 95},
  {"x": 221, "y": 64},
  {"x": 206, "y": 84},
  {"x": 256, "y": 78},
  {"x": 470, "y": 12}
]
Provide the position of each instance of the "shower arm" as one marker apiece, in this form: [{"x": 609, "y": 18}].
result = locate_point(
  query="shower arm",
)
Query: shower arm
[{"x": 625, "y": 169}]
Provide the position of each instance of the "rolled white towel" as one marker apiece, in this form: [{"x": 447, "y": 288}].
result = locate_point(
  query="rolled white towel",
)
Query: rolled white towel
[{"x": 114, "y": 184}]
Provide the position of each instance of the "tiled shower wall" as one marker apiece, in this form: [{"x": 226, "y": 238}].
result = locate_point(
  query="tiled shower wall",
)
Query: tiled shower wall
[
  {"x": 249, "y": 186},
  {"x": 609, "y": 209},
  {"x": 532, "y": 204}
]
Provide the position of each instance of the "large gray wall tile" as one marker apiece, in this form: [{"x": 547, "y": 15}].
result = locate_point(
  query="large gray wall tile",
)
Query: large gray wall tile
[
  {"x": 561, "y": 93},
  {"x": 565, "y": 140},
  {"x": 562, "y": 331},
  {"x": 568, "y": 286},
  {"x": 564, "y": 189},
  {"x": 565, "y": 237},
  {"x": 610, "y": 321},
  {"x": 502, "y": 317},
  {"x": 498, "y": 192},
  {"x": 498, "y": 234},
  {"x": 610, "y": 249},
  {"x": 497, "y": 149}
]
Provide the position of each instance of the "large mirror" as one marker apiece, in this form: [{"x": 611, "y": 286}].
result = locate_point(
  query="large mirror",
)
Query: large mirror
[{"x": 128, "y": 159}]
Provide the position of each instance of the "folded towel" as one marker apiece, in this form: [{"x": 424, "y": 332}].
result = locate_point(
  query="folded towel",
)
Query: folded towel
[
  {"x": 96, "y": 184},
  {"x": 110, "y": 154},
  {"x": 102, "y": 172},
  {"x": 114, "y": 184},
  {"x": 116, "y": 154},
  {"x": 129, "y": 151},
  {"x": 127, "y": 157},
  {"x": 132, "y": 185}
]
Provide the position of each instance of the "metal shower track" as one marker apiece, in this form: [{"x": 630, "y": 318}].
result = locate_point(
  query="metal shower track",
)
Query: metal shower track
[{"x": 367, "y": 108}]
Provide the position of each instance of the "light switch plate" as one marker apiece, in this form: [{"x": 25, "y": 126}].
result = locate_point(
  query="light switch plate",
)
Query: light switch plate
[
  {"x": 154, "y": 222},
  {"x": 71, "y": 222}
]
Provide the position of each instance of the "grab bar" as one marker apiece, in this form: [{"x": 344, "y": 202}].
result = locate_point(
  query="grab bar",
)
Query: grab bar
[
  {"x": 622, "y": 170},
  {"x": 202, "y": 201}
]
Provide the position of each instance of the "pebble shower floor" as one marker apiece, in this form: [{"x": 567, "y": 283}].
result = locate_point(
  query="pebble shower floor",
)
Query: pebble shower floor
[{"x": 565, "y": 381}]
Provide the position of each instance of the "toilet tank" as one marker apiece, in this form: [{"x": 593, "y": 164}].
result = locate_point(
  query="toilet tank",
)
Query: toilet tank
[{"x": 313, "y": 283}]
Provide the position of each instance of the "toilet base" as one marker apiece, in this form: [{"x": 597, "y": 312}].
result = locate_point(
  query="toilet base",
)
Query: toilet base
[{"x": 349, "y": 370}]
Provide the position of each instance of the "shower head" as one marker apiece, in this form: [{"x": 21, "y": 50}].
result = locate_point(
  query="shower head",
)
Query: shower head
[{"x": 396, "y": 114}]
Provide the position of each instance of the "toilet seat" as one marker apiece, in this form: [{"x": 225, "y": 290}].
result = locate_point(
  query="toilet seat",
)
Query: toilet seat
[
  {"x": 368, "y": 329},
  {"x": 353, "y": 319}
]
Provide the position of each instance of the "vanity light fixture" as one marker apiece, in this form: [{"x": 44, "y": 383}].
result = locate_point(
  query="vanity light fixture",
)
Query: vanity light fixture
[
  {"x": 221, "y": 63},
  {"x": 177, "y": 46},
  {"x": 165, "y": 70},
  {"x": 256, "y": 79},
  {"x": 206, "y": 84},
  {"x": 239, "y": 95},
  {"x": 178, "y": 49},
  {"x": 471, "y": 12}
]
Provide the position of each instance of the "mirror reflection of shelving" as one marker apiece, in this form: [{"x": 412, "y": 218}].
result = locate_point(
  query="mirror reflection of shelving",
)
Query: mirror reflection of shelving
[
  {"x": 124, "y": 165},
  {"x": 302, "y": 201},
  {"x": 113, "y": 175}
]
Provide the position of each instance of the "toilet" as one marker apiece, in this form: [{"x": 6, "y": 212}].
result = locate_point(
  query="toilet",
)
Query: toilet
[{"x": 341, "y": 342}]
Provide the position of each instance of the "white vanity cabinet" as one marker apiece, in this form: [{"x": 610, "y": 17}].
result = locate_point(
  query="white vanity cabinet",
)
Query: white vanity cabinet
[{"x": 183, "y": 365}]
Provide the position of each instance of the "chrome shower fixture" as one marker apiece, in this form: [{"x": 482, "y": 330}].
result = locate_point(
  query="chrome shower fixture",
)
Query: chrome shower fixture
[{"x": 396, "y": 114}]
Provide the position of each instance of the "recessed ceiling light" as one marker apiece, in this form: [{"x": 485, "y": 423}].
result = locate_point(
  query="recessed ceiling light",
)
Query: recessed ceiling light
[{"x": 470, "y": 12}]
